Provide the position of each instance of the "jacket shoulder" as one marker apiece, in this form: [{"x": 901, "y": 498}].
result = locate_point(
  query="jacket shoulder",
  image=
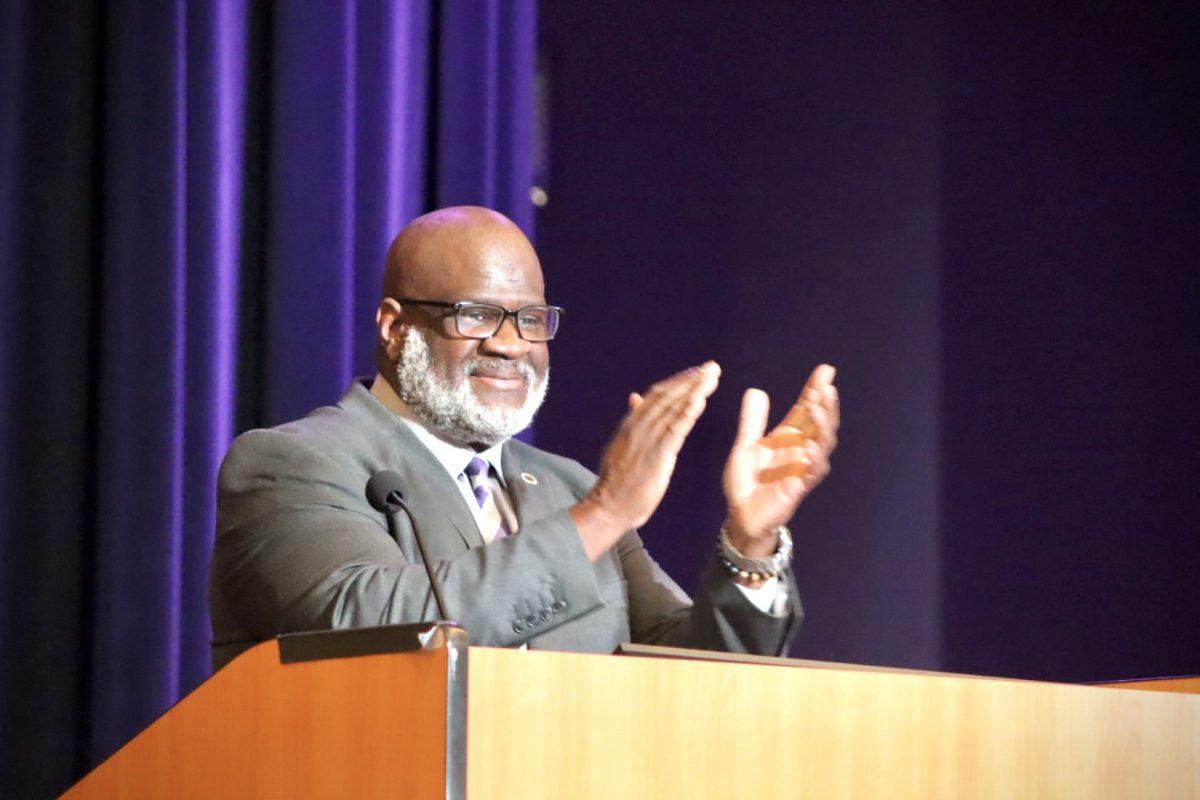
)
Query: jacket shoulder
[
  {"x": 298, "y": 442},
  {"x": 338, "y": 444}
]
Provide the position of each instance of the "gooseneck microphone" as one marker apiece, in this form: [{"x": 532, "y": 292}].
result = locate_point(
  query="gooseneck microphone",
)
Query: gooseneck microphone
[{"x": 384, "y": 494}]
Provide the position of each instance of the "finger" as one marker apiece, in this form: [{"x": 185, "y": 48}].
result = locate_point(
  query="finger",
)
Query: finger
[
  {"x": 672, "y": 396},
  {"x": 822, "y": 375},
  {"x": 671, "y": 437},
  {"x": 823, "y": 433},
  {"x": 813, "y": 392},
  {"x": 777, "y": 472},
  {"x": 649, "y": 405},
  {"x": 794, "y": 488},
  {"x": 797, "y": 458},
  {"x": 679, "y": 415},
  {"x": 808, "y": 470},
  {"x": 783, "y": 441},
  {"x": 833, "y": 406},
  {"x": 799, "y": 418},
  {"x": 819, "y": 468},
  {"x": 819, "y": 458},
  {"x": 681, "y": 383},
  {"x": 752, "y": 420}
]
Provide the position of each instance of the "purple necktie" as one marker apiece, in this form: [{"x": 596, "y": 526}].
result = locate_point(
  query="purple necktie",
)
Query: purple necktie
[{"x": 477, "y": 475}]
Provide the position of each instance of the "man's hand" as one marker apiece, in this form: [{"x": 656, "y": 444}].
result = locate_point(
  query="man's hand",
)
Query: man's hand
[
  {"x": 640, "y": 459},
  {"x": 766, "y": 477}
]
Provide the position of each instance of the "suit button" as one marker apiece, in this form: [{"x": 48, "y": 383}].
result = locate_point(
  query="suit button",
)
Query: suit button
[
  {"x": 559, "y": 605},
  {"x": 545, "y": 615},
  {"x": 519, "y": 627}
]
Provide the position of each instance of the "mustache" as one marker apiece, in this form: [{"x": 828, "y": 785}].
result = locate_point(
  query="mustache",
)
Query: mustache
[{"x": 501, "y": 365}]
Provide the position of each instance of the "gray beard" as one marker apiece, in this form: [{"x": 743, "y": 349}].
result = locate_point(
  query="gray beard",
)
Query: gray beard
[{"x": 450, "y": 405}]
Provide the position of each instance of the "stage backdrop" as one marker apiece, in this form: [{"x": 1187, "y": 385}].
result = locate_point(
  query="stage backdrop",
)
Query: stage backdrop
[
  {"x": 985, "y": 215},
  {"x": 196, "y": 201}
]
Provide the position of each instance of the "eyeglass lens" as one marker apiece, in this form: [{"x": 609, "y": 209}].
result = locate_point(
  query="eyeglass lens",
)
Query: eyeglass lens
[{"x": 536, "y": 323}]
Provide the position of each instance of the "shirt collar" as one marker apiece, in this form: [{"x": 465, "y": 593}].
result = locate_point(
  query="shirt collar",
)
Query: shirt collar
[{"x": 454, "y": 458}]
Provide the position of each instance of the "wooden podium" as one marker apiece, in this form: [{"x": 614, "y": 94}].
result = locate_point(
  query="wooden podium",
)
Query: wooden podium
[{"x": 387, "y": 712}]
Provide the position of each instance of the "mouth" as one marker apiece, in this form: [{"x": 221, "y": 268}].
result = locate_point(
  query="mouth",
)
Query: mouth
[{"x": 504, "y": 380}]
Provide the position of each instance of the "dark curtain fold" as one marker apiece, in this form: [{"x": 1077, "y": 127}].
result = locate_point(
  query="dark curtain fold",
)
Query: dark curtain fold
[{"x": 195, "y": 199}]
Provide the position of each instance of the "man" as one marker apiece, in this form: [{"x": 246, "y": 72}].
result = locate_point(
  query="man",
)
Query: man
[{"x": 532, "y": 549}]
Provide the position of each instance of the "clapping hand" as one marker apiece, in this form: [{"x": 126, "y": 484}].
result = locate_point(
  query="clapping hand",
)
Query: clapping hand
[
  {"x": 768, "y": 475},
  {"x": 639, "y": 461}
]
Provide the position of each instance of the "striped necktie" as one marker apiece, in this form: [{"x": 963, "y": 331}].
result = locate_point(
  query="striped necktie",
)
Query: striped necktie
[{"x": 493, "y": 526}]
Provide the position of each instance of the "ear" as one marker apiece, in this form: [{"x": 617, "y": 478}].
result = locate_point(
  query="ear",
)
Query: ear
[{"x": 389, "y": 321}]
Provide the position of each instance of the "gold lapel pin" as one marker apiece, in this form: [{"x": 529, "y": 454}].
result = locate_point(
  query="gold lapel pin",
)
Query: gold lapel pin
[{"x": 530, "y": 479}]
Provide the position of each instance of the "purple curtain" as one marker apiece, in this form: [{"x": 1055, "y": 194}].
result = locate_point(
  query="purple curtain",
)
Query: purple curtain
[{"x": 195, "y": 199}]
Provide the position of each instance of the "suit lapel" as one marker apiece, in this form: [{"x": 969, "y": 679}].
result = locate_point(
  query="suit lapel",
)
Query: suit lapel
[
  {"x": 430, "y": 493},
  {"x": 434, "y": 498},
  {"x": 529, "y": 501}
]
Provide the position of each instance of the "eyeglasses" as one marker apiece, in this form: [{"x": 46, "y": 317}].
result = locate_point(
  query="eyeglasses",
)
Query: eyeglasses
[{"x": 484, "y": 320}]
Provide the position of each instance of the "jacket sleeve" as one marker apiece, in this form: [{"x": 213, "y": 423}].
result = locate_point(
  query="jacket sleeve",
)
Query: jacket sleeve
[{"x": 719, "y": 618}]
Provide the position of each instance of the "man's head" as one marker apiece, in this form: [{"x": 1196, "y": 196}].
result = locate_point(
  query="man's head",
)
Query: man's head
[{"x": 472, "y": 391}]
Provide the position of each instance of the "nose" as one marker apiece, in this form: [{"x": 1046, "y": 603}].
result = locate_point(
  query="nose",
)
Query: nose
[{"x": 507, "y": 343}]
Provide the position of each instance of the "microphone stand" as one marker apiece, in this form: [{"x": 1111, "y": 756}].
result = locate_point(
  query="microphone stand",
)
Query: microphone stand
[{"x": 396, "y": 505}]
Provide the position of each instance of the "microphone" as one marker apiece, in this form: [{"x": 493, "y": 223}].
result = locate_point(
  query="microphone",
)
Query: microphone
[{"x": 384, "y": 494}]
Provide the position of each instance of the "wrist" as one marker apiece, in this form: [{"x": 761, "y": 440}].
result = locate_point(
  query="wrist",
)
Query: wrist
[
  {"x": 750, "y": 570},
  {"x": 598, "y": 527},
  {"x": 759, "y": 544}
]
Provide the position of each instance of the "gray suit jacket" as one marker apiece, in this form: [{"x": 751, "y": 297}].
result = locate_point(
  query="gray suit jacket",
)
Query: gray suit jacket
[{"x": 299, "y": 548}]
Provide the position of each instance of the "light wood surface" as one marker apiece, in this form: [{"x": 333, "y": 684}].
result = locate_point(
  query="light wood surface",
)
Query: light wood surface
[
  {"x": 559, "y": 725},
  {"x": 371, "y": 726},
  {"x": 1186, "y": 685}
]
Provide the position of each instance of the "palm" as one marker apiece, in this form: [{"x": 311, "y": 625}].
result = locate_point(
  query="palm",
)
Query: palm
[
  {"x": 768, "y": 474},
  {"x": 766, "y": 478}
]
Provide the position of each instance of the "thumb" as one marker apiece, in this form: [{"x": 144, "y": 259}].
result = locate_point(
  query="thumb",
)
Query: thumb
[{"x": 752, "y": 422}]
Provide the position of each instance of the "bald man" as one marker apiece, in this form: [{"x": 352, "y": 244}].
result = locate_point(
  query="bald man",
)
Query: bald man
[{"x": 532, "y": 549}]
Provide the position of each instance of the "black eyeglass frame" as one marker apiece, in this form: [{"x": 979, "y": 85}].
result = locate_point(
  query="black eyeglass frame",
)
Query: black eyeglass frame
[{"x": 559, "y": 310}]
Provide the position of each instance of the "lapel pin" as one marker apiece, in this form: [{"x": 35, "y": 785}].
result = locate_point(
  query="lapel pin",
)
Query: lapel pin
[{"x": 530, "y": 479}]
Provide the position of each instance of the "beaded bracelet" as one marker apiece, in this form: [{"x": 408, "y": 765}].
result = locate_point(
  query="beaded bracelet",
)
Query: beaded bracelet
[{"x": 755, "y": 569}]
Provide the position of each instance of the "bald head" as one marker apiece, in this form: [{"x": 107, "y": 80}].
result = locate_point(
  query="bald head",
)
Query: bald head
[
  {"x": 439, "y": 253},
  {"x": 473, "y": 255}
]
